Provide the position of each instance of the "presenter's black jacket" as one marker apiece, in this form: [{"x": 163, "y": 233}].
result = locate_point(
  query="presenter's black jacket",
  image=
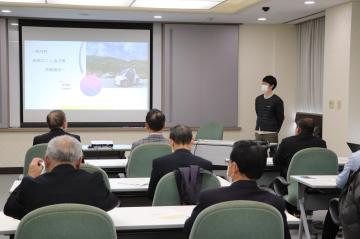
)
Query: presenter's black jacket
[
  {"x": 170, "y": 162},
  {"x": 290, "y": 145},
  {"x": 64, "y": 184},
  {"x": 239, "y": 190},
  {"x": 45, "y": 138},
  {"x": 269, "y": 112}
]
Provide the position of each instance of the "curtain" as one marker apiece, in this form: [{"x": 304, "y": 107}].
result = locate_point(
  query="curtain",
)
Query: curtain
[{"x": 310, "y": 36}]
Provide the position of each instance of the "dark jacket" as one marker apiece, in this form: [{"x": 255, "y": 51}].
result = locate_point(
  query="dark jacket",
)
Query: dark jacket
[
  {"x": 240, "y": 190},
  {"x": 170, "y": 162},
  {"x": 64, "y": 184},
  {"x": 45, "y": 138},
  {"x": 290, "y": 145},
  {"x": 269, "y": 112}
]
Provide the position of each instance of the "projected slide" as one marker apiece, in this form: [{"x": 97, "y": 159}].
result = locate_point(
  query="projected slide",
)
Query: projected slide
[{"x": 86, "y": 75}]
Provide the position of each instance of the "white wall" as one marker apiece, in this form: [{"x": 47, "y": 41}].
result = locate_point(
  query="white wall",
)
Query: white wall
[
  {"x": 354, "y": 87},
  {"x": 341, "y": 113},
  {"x": 263, "y": 49}
]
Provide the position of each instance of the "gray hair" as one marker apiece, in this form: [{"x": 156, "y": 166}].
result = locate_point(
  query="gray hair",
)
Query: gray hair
[{"x": 64, "y": 148}]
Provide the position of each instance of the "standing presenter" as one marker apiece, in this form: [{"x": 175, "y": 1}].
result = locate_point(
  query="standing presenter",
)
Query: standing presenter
[{"x": 269, "y": 111}]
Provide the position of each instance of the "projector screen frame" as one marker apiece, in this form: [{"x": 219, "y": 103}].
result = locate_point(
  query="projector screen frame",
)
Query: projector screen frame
[{"x": 82, "y": 24}]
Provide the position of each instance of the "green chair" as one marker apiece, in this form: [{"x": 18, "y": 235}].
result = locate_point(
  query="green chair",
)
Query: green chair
[
  {"x": 310, "y": 161},
  {"x": 166, "y": 192},
  {"x": 140, "y": 161},
  {"x": 38, "y": 150},
  {"x": 70, "y": 221},
  {"x": 92, "y": 169},
  {"x": 238, "y": 219},
  {"x": 210, "y": 130}
]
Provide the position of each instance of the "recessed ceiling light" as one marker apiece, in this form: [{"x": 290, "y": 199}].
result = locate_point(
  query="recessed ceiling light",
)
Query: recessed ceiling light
[
  {"x": 103, "y": 3},
  {"x": 262, "y": 19},
  {"x": 5, "y": 11},
  {"x": 24, "y": 1},
  {"x": 177, "y": 4},
  {"x": 15, "y": 24},
  {"x": 158, "y": 17},
  {"x": 309, "y": 2}
]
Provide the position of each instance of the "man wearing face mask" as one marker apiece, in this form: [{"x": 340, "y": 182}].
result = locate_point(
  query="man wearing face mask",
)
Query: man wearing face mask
[
  {"x": 247, "y": 163},
  {"x": 269, "y": 111}
]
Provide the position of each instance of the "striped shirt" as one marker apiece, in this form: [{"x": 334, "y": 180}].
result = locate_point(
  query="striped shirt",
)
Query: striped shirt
[{"x": 152, "y": 138}]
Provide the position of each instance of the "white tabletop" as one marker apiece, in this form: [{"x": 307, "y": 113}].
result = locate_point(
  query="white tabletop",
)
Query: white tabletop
[
  {"x": 107, "y": 163},
  {"x": 128, "y": 218},
  {"x": 137, "y": 218},
  {"x": 125, "y": 147},
  {"x": 116, "y": 184},
  {"x": 317, "y": 181},
  {"x": 214, "y": 142},
  {"x": 341, "y": 161},
  {"x": 223, "y": 182},
  {"x": 128, "y": 184}
]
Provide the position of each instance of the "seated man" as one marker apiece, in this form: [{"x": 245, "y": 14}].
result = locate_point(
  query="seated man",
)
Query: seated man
[
  {"x": 330, "y": 229},
  {"x": 155, "y": 122},
  {"x": 289, "y": 146},
  {"x": 245, "y": 166},
  {"x": 64, "y": 182},
  {"x": 56, "y": 120},
  {"x": 181, "y": 141}
]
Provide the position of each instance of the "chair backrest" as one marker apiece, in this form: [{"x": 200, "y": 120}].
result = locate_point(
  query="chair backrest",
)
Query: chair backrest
[
  {"x": 310, "y": 161},
  {"x": 238, "y": 219},
  {"x": 38, "y": 150},
  {"x": 70, "y": 221},
  {"x": 166, "y": 192},
  {"x": 140, "y": 161},
  {"x": 92, "y": 169},
  {"x": 210, "y": 130}
]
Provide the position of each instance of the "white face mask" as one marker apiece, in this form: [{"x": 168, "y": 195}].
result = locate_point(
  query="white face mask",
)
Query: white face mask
[
  {"x": 264, "y": 88},
  {"x": 227, "y": 174}
]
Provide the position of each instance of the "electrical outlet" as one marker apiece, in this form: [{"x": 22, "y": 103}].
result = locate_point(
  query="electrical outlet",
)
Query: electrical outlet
[
  {"x": 331, "y": 104},
  {"x": 338, "y": 104}
]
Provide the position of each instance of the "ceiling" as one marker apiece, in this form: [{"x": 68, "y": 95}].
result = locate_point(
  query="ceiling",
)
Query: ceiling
[{"x": 231, "y": 11}]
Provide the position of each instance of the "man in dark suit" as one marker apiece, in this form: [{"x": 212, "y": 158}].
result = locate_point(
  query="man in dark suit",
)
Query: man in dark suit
[
  {"x": 56, "y": 120},
  {"x": 64, "y": 182},
  {"x": 246, "y": 164},
  {"x": 181, "y": 140},
  {"x": 303, "y": 139}
]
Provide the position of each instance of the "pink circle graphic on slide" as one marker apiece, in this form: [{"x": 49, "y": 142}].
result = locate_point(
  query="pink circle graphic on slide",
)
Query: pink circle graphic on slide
[{"x": 90, "y": 85}]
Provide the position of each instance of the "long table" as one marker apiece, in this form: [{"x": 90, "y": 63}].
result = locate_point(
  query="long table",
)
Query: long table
[
  {"x": 111, "y": 166},
  {"x": 139, "y": 222},
  {"x": 310, "y": 201},
  {"x": 121, "y": 185}
]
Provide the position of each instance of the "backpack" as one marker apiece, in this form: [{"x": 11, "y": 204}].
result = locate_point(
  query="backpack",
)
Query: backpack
[
  {"x": 189, "y": 181},
  {"x": 349, "y": 206}
]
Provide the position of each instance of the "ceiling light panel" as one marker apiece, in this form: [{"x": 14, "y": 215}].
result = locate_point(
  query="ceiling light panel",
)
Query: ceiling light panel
[
  {"x": 177, "y": 4},
  {"x": 105, "y": 3},
  {"x": 23, "y": 1}
]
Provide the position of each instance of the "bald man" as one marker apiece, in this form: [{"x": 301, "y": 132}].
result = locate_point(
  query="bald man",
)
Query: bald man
[{"x": 63, "y": 182}]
